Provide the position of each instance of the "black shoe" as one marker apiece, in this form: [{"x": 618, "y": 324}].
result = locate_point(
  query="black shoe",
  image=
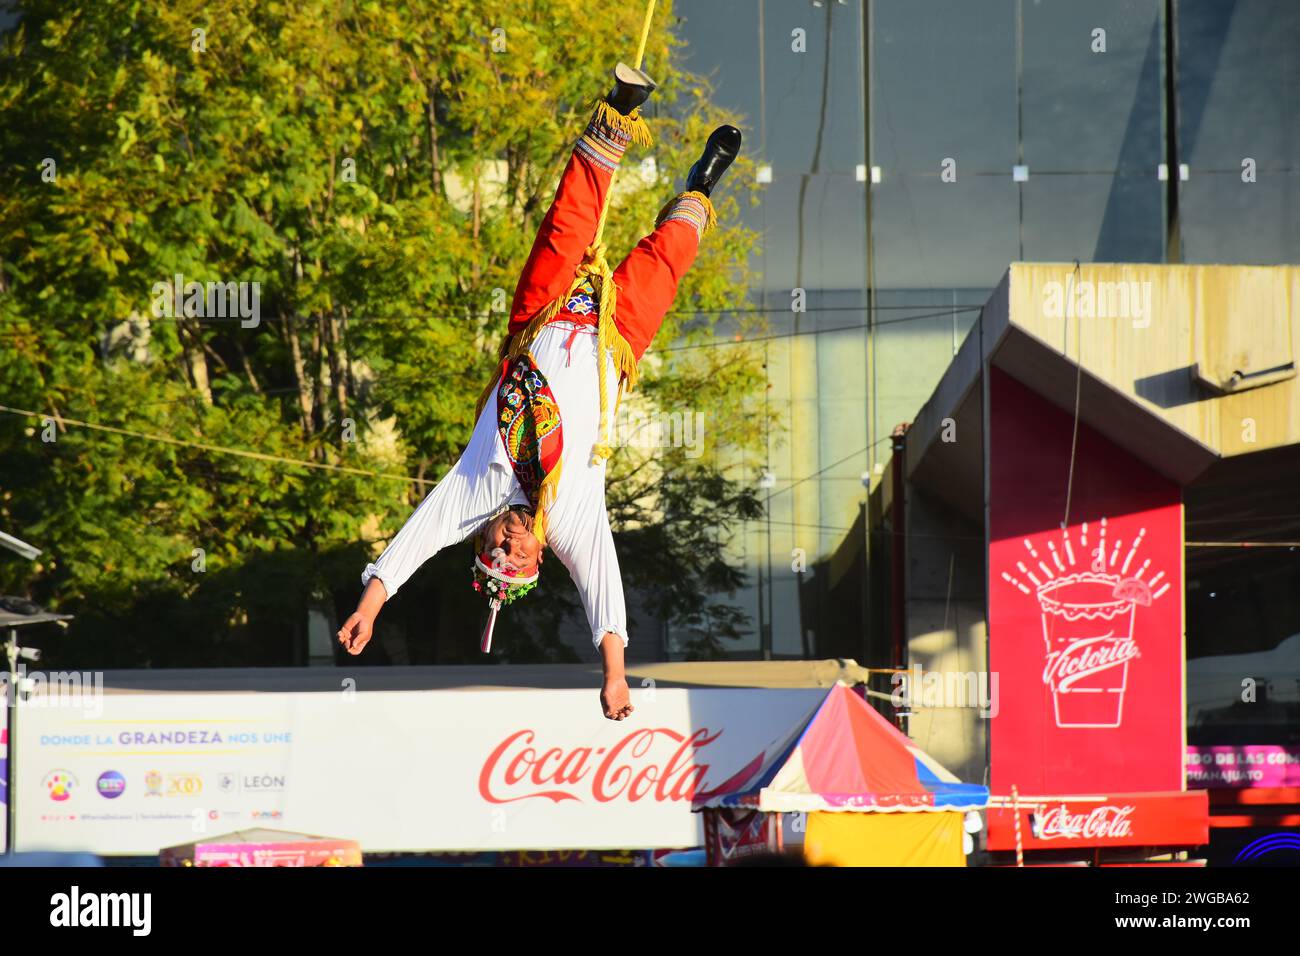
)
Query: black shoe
[
  {"x": 631, "y": 89},
  {"x": 722, "y": 147}
]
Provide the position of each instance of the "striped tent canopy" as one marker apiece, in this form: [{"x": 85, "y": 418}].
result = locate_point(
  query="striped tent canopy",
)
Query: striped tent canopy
[{"x": 845, "y": 757}]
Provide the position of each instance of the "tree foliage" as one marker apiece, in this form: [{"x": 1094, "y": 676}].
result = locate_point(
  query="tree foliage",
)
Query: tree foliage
[{"x": 378, "y": 169}]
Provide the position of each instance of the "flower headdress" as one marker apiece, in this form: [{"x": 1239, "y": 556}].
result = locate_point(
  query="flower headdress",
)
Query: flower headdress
[{"x": 500, "y": 582}]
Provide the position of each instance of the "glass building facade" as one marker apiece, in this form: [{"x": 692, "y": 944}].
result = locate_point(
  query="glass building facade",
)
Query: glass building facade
[{"x": 915, "y": 149}]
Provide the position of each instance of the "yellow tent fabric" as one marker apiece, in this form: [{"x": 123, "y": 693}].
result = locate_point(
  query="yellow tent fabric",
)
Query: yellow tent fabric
[{"x": 884, "y": 839}]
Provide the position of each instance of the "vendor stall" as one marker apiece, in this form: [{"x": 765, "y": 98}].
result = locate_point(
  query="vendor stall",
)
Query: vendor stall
[{"x": 870, "y": 796}]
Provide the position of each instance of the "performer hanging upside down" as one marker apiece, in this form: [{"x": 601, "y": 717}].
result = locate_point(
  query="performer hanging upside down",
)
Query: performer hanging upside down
[{"x": 533, "y": 474}]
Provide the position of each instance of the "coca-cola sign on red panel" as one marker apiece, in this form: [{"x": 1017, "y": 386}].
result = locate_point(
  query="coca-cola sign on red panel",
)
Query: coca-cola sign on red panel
[
  {"x": 1179, "y": 818},
  {"x": 1085, "y": 621}
]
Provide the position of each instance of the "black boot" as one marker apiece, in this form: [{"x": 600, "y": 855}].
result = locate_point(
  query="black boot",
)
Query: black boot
[
  {"x": 722, "y": 147},
  {"x": 631, "y": 89}
]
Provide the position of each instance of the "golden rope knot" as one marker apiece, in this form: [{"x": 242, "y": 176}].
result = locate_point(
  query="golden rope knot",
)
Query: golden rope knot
[{"x": 594, "y": 263}]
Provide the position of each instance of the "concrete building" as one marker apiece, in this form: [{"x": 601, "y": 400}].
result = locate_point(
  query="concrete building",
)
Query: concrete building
[
  {"x": 913, "y": 150},
  {"x": 1066, "y": 405},
  {"x": 908, "y": 152}
]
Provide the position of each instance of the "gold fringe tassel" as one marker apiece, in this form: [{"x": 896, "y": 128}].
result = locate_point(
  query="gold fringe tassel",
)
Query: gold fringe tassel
[
  {"x": 488, "y": 389},
  {"x": 546, "y": 493},
  {"x": 633, "y": 125},
  {"x": 546, "y": 498},
  {"x": 596, "y": 268},
  {"x": 608, "y": 338}
]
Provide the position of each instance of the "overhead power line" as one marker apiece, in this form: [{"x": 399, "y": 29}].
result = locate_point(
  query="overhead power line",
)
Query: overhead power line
[{"x": 218, "y": 449}]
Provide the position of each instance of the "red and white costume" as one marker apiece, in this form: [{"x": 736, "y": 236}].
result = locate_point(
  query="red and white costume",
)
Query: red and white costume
[{"x": 484, "y": 480}]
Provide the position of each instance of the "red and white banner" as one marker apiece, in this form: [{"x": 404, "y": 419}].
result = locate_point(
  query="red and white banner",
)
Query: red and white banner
[
  {"x": 732, "y": 834},
  {"x": 1179, "y": 818},
  {"x": 1085, "y": 620},
  {"x": 394, "y": 770}
]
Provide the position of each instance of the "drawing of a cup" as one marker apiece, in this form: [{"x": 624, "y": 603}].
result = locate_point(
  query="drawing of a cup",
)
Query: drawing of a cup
[{"x": 1088, "y": 631}]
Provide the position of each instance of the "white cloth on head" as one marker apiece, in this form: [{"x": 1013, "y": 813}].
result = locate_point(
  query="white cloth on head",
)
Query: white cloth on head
[{"x": 482, "y": 482}]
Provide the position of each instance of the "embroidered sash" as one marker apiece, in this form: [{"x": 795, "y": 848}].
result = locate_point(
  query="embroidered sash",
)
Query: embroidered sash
[{"x": 528, "y": 420}]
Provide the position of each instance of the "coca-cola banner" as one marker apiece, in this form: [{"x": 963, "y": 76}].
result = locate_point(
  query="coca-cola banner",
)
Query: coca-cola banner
[
  {"x": 394, "y": 770},
  {"x": 1085, "y": 619},
  {"x": 1179, "y": 818}
]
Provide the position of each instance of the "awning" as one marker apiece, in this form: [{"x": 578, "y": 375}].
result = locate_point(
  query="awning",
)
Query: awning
[{"x": 845, "y": 757}]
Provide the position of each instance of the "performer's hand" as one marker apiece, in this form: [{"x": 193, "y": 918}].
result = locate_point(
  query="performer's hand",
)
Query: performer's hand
[
  {"x": 615, "y": 699},
  {"x": 355, "y": 633}
]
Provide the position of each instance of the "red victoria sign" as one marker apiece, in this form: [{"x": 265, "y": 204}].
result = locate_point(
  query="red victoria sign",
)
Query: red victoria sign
[
  {"x": 1085, "y": 619},
  {"x": 656, "y": 763},
  {"x": 1178, "y": 818}
]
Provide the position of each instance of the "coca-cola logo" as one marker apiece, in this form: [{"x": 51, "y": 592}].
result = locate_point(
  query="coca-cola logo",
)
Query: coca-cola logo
[
  {"x": 1086, "y": 657},
  {"x": 1098, "y": 823},
  {"x": 656, "y": 763}
]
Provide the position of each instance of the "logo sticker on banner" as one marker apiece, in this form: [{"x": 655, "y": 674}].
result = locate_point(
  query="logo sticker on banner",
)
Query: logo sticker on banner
[
  {"x": 110, "y": 784},
  {"x": 59, "y": 784}
]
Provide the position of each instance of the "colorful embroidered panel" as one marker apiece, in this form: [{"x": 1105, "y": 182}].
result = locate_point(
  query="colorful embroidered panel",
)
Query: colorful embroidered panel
[
  {"x": 603, "y": 144},
  {"x": 528, "y": 420},
  {"x": 583, "y": 301},
  {"x": 689, "y": 209}
]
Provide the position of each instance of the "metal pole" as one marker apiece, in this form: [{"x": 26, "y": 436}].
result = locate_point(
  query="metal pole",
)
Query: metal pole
[
  {"x": 868, "y": 620},
  {"x": 11, "y": 776}
]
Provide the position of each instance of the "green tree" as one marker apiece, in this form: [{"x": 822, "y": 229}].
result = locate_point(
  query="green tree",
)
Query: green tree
[{"x": 378, "y": 169}]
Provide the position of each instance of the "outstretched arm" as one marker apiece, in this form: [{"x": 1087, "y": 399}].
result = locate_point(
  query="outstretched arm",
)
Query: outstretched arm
[
  {"x": 355, "y": 633},
  {"x": 454, "y": 510},
  {"x": 615, "y": 699},
  {"x": 586, "y": 546}
]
